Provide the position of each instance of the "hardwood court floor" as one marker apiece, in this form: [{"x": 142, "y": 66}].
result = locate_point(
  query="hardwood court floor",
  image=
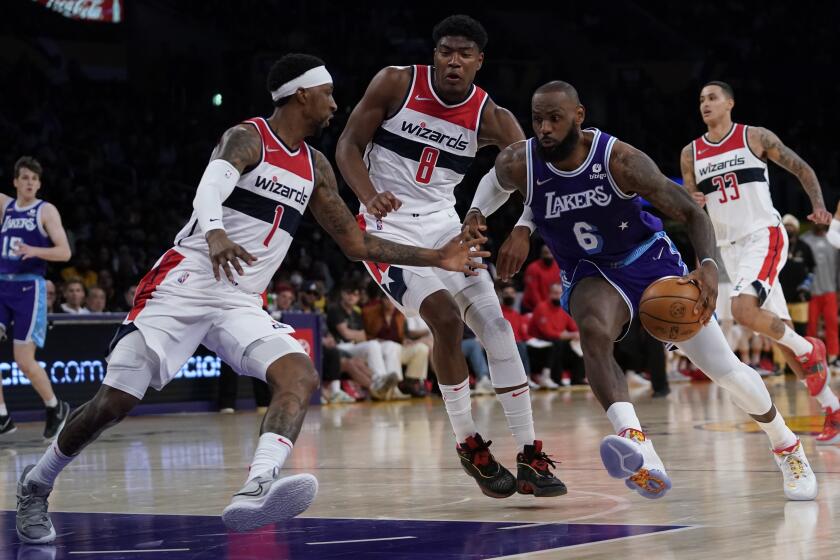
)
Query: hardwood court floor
[{"x": 391, "y": 485}]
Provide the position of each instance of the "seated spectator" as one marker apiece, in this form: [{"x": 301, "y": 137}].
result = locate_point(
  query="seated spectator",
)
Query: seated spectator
[
  {"x": 477, "y": 360},
  {"x": 344, "y": 321},
  {"x": 128, "y": 298},
  {"x": 74, "y": 298},
  {"x": 518, "y": 323},
  {"x": 96, "y": 300},
  {"x": 551, "y": 323},
  {"x": 51, "y": 297},
  {"x": 384, "y": 323},
  {"x": 539, "y": 276},
  {"x": 334, "y": 362},
  {"x": 81, "y": 270}
]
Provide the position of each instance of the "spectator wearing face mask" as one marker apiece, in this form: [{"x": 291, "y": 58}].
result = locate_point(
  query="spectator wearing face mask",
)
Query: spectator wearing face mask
[
  {"x": 551, "y": 323},
  {"x": 518, "y": 323},
  {"x": 539, "y": 276}
]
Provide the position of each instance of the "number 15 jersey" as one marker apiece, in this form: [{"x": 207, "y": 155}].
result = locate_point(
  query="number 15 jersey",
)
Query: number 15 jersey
[
  {"x": 736, "y": 186},
  {"x": 422, "y": 152}
]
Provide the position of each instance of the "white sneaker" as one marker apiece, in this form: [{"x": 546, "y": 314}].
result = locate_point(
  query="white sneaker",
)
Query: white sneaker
[
  {"x": 634, "y": 378},
  {"x": 546, "y": 382},
  {"x": 268, "y": 499},
  {"x": 631, "y": 456},
  {"x": 800, "y": 482},
  {"x": 484, "y": 387},
  {"x": 396, "y": 395},
  {"x": 534, "y": 386}
]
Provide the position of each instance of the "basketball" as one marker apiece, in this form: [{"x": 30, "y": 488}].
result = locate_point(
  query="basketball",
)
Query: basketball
[{"x": 667, "y": 310}]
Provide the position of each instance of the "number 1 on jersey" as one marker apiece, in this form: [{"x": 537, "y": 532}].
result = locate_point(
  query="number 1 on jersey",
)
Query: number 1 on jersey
[
  {"x": 428, "y": 161},
  {"x": 278, "y": 215}
]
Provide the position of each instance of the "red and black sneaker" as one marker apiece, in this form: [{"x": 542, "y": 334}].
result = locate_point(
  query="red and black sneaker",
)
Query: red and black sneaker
[
  {"x": 816, "y": 366},
  {"x": 493, "y": 479},
  {"x": 533, "y": 473}
]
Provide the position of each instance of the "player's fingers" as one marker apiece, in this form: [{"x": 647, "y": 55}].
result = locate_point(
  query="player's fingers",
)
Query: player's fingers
[
  {"x": 475, "y": 241},
  {"x": 215, "y": 265},
  {"x": 478, "y": 265},
  {"x": 236, "y": 266},
  {"x": 481, "y": 254},
  {"x": 228, "y": 273},
  {"x": 470, "y": 271},
  {"x": 245, "y": 255}
]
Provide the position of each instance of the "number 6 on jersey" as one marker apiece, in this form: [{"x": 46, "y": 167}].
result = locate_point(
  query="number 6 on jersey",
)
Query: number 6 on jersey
[{"x": 588, "y": 238}]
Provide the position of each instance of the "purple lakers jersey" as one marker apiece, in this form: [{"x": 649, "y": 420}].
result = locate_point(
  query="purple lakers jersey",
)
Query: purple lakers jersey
[
  {"x": 22, "y": 225},
  {"x": 583, "y": 214}
]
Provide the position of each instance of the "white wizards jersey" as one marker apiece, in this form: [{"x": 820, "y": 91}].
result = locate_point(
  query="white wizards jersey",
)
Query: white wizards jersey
[
  {"x": 263, "y": 211},
  {"x": 422, "y": 152},
  {"x": 736, "y": 186}
]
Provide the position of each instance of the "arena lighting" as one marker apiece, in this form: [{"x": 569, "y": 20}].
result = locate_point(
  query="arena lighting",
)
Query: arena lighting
[
  {"x": 73, "y": 372},
  {"x": 217, "y": 100}
]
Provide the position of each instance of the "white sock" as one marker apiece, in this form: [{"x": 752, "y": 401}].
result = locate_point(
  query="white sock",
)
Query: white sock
[
  {"x": 3, "y": 410},
  {"x": 517, "y": 406},
  {"x": 623, "y": 416},
  {"x": 272, "y": 451},
  {"x": 827, "y": 398},
  {"x": 335, "y": 386},
  {"x": 456, "y": 398},
  {"x": 51, "y": 463},
  {"x": 52, "y": 403},
  {"x": 796, "y": 342},
  {"x": 780, "y": 435}
]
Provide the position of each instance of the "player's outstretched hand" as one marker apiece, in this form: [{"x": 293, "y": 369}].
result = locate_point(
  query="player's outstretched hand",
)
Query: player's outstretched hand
[
  {"x": 706, "y": 278},
  {"x": 383, "y": 203},
  {"x": 513, "y": 253},
  {"x": 699, "y": 198},
  {"x": 224, "y": 253},
  {"x": 457, "y": 255},
  {"x": 476, "y": 222},
  {"x": 820, "y": 216}
]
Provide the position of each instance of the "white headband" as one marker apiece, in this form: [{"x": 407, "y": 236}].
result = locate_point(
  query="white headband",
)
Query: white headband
[{"x": 317, "y": 76}]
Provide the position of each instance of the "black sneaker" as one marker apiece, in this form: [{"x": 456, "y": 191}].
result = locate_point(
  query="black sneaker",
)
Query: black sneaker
[
  {"x": 493, "y": 479},
  {"x": 7, "y": 426},
  {"x": 413, "y": 387},
  {"x": 56, "y": 417},
  {"x": 533, "y": 473}
]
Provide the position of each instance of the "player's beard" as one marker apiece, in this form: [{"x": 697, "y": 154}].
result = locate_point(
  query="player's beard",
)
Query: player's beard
[{"x": 562, "y": 149}]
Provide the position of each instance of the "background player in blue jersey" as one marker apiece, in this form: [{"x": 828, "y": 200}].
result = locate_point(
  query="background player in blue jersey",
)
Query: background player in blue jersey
[
  {"x": 31, "y": 235},
  {"x": 583, "y": 188}
]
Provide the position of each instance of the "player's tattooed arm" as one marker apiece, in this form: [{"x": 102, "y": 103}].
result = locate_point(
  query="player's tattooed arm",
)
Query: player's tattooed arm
[
  {"x": 240, "y": 146},
  {"x": 334, "y": 216},
  {"x": 383, "y": 99},
  {"x": 498, "y": 127},
  {"x": 634, "y": 172},
  {"x": 512, "y": 172},
  {"x": 769, "y": 146},
  {"x": 687, "y": 169}
]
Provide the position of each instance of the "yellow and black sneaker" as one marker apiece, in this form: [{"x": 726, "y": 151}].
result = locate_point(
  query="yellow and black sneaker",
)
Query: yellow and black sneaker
[
  {"x": 493, "y": 479},
  {"x": 533, "y": 473}
]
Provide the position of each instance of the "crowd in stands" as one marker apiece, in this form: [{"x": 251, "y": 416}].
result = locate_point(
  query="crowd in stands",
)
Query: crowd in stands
[{"x": 123, "y": 146}]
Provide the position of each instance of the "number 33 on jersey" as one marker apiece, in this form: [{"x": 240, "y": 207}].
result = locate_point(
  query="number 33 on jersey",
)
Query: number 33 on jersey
[{"x": 735, "y": 183}]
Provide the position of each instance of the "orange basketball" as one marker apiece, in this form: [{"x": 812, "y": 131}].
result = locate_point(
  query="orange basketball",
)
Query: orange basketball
[{"x": 667, "y": 310}]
